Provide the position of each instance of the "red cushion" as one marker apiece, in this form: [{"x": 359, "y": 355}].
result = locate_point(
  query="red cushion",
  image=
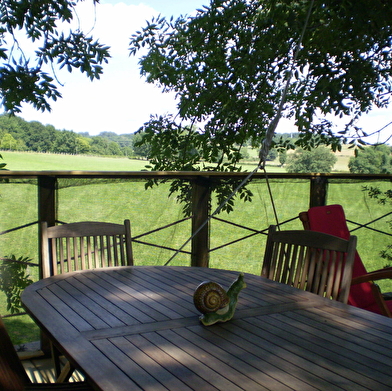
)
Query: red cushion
[{"x": 331, "y": 219}]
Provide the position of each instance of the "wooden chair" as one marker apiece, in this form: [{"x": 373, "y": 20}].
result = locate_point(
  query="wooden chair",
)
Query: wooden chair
[
  {"x": 85, "y": 245},
  {"x": 364, "y": 293},
  {"x": 80, "y": 246},
  {"x": 311, "y": 261},
  {"x": 13, "y": 376}
]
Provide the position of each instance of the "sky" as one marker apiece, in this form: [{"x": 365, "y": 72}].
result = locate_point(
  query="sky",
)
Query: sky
[{"x": 121, "y": 101}]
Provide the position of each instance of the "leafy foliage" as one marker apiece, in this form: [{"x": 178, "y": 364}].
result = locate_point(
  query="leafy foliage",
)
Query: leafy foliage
[
  {"x": 372, "y": 160},
  {"x": 320, "y": 159},
  {"x": 23, "y": 79},
  {"x": 282, "y": 157},
  {"x": 229, "y": 66},
  {"x": 13, "y": 280}
]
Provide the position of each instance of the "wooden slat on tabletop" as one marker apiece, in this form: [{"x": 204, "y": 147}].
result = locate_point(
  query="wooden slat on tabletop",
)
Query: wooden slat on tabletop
[
  {"x": 140, "y": 328},
  {"x": 261, "y": 370},
  {"x": 261, "y": 342},
  {"x": 75, "y": 307},
  {"x": 325, "y": 362},
  {"x": 280, "y": 365},
  {"x": 169, "y": 290},
  {"x": 174, "y": 376},
  {"x": 113, "y": 293},
  {"x": 154, "y": 298},
  {"x": 141, "y": 354},
  {"x": 231, "y": 362},
  {"x": 184, "y": 322},
  {"x": 85, "y": 297},
  {"x": 131, "y": 295},
  {"x": 227, "y": 366},
  {"x": 354, "y": 336},
  {"x": 138, "y": 298},
  {"x": 173, "y": 284},
  {"x": 375, "y": 325},
  {"x": 203, "y": 369},
  {"x": 57, "y": 304},
  {"x": 43, "y": 301},
  {"x": 101, "y": 296},
  {"x": 354, "y": 362},
  {"x": 130, "y": 360}
]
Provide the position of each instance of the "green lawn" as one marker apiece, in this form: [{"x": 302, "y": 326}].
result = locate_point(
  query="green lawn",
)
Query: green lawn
[{"x": 24, "y": 161}]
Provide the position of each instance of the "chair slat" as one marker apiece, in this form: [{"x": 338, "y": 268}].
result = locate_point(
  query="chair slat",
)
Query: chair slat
[{"x": 76, "y": 254}]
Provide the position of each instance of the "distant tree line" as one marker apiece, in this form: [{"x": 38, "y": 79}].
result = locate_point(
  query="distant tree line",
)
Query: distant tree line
[{"x": 16, "y": 134}]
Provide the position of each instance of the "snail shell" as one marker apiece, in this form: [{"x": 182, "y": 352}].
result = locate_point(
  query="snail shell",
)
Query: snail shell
[{"x": 209, "y": 296}]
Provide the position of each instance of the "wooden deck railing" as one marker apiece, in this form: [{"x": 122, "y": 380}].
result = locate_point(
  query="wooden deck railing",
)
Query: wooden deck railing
[{"x": 201, "y": 183}]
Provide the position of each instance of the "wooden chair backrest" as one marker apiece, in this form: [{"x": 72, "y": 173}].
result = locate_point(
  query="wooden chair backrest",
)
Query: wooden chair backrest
[
  {"x": 13, "y": 377},
  {"x": 312, "y": 261},
  {"x": 85, "y": 245}
]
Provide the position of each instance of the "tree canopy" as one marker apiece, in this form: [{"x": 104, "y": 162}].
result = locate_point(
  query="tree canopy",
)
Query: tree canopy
[
  {"x": 229, "y": 65},
  {"x": 319, "y": 159},
  {"x": 372, "y": 160},
  {"x": 27, "y": 73}
]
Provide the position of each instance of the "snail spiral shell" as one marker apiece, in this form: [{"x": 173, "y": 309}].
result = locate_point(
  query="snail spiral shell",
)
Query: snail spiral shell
[{"x": 209, "y": 296}]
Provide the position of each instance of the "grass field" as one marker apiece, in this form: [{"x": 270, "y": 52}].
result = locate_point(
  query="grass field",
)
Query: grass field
[
  {"x": 151, "y": 209},
  {"x": 22, "y": 161}
]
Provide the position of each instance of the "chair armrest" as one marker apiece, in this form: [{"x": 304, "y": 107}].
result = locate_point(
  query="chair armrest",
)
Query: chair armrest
[
  {"x": 380, "y": 270},
  {"x": 373, "y": 276}
]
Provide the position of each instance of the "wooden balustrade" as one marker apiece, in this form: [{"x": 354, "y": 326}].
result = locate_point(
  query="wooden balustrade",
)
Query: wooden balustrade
[{"x": 201, "y": 183}]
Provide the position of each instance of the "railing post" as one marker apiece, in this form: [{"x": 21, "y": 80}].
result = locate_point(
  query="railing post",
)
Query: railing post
[
  {"x": 200, "y": 247},
  {"x": 47, "y": 199},
  {"x": 46, "y": 204},
  {"x": 46, "y": 212},
  {"x": 318, "y": 191}
]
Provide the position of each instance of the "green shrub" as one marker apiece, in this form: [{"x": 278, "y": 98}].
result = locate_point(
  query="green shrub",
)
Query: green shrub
[{"x": 14, "y": 278}]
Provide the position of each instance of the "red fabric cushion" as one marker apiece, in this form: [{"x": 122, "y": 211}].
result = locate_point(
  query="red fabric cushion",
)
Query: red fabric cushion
[{"x": 331, "y": 219}]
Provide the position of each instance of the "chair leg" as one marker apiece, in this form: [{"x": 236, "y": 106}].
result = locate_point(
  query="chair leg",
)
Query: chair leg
[
  {"x": 64, "y": 374},
  {"x": 56, "y": 360}
]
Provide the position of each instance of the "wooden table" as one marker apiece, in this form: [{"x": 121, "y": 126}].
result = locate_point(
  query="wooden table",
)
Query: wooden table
[{"x": 136, "y": 328}]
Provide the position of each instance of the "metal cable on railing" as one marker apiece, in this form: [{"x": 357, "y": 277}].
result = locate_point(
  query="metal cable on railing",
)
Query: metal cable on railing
[
  {"x": 366, "y": 225},
  {"x": 17, "y": 228}
]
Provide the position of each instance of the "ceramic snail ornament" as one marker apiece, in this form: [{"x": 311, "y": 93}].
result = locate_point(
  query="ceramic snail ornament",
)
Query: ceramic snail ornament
[{"x": 215, "y": 304}]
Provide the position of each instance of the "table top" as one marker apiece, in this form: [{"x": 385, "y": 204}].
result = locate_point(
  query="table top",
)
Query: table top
[{"x": 136, "y": 328}]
